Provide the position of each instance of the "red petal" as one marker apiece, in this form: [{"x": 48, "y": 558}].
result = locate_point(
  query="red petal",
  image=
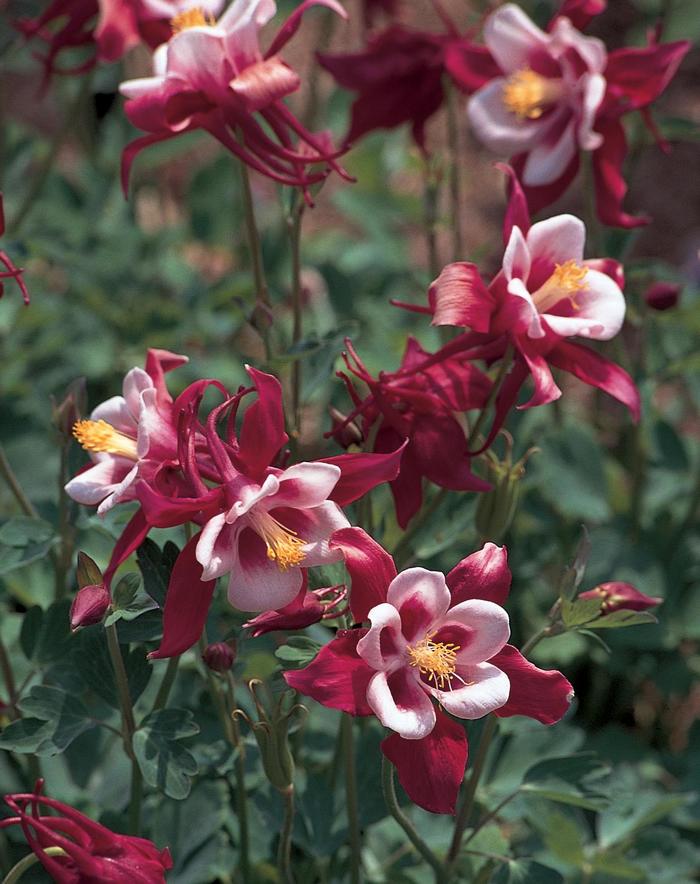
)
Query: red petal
[
  {"x": 544, "y": 694},
  {"x": 592, "y": 368},
  {"x": 482, "y": 575},
  {"x": 640, "y": 74},
  {"x": 130, "y": 540},
  {"x": 470, "y": 65},
  {"x": 338, "y": 677},
  {"x": 610, "y": 186},
  {"x": 370, "y": 566},
  {"x": 459, "y": 297},
  {"x": 362, "y": 472},
  {"x": 186, "y": 604},
  {"x": 431, "y": 770},
  {"x": 262, "y": 431},
  {"x": 517, "y": 212},
  {"x": 265, "y": 82},
  {"x": 579, "y": 12}
]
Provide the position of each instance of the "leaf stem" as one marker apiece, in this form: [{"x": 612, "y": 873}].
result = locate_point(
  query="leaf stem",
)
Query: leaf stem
[
  {"x": 239, "y": 773},
  {"x": 12, "y": 481},
  {"x": 167, "y": 683},
  {"x": 392, "y": 804},
  {"x": 261, "y": 290},
  {"x": 27, "y": 862},
  {"x": 346, "y": 726},
  {"x": 128, "y": 726}
]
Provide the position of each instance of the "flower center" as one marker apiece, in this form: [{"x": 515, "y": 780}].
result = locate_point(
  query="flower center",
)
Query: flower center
[
  {"x": 102, "y": 437},
  {"x": 284, "y": 546},
  {"x": 527, "y": 94},
  {"x": 191, "y": 18},
  {"x": 567, "y": 280},
  {"x": 437, "y": 660}
]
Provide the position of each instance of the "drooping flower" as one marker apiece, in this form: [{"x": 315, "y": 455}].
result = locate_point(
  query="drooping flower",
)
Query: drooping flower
[
  {"x": 127, "y": 436},
  {"x": 10, "y": 271},
  {"x": 310, "y": 606},
  {"x": 430, "y": 638},
  {"x": 214, "y": 76},
  {"x": 618, "y": 596},
  {"x": 557, "y": 94},
  {"x": 545, "y": 294},
  {"x": 92, "y": 852},
  {"x": 422, "y": 408}
]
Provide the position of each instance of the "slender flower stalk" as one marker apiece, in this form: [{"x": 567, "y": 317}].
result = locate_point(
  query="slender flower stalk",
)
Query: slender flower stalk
[
  {"x": 455, "y": 178},
  {"x": 431, "y": 202},
  {"x": 284, "y": 850},
  {"x": 27, "y": 862},
  {"x": 128, "y": 727},
  {"x": 254, "y": 245},
  {"x": 167, "y": 683},
  {"x": 239, "y": 773},
  {"x": 346, "y": 725},
  {"x": 503, "y": 369},
  {"x": 294, "y": 225}
]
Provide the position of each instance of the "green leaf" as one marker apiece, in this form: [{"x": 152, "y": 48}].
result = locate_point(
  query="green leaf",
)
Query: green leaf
[
  {"x": 573, "y": 575},
  {"x": 619, "y": 619},
  {"x": 526, "y": 871},
  {"x": 568, "y": 780},
  {"x": 87, "y": 572},
  {"x": 156, "y": 566},
  {"x": 129, "y": 600},
  {"x": 90, "y": 657},
  {"x": 579, "y": 612},
  {"x": 633, "y": 809},
  {"x": 45, "y": 636},
  {"x": 165, "y": 764},
  {"x": 298, "y": 651},
  {"x": 24, "y": 540},
  {"x": 54, "y": 720}
]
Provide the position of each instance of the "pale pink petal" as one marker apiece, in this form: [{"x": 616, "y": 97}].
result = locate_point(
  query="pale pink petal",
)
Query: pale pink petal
[
  {"x": 421, "y": 597},
  {"x": 306, "y": 485},
  {"x": 516, "y": 259},
  {"x": 262, "y": 83},
  {"x": 557, "y": 240},
  {"x": 593, "y": 87},
  {"x": 400, "y": 703},
  {"x": 141, "y": 86},
  {"x": 591, "y": 49},
  {"x": 499, "y": 129},
  {"x": 216, "y": 549},
  {"x": 256, "y": 583},
  {"x": 486, "y": 688},
  {"x": 513, "y": 38},
  {"x": 94, "y": 484},
  {"x": 242, "y": 22},
  {"x": 315, "y": 527},
  {"x": 116, "y": 412},
  {"x": 548, "y": 161},
  {"x": 198, "y": 56},
  {"x": 601, "y": 310},
  {"x": 479, "y": 629},
  {"x": 250, "y": 494},
  {"x": 121, "y": 492},
  {"x": 383, "y": 647},
  {"x": 135, "y": 383},
  {"x": 156, "y": 435},
  {"x": 525, "y": 312}
]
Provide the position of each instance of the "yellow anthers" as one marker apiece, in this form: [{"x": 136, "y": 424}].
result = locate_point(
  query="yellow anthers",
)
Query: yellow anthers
[
  {"x": 191, "y": 18},
  {"x": 437, "y": 660},
  {"x": 284, "y": 546},
  {"x": 101, "y": 437},
  {"x": 527, "y": 94},
  {"x": 566, "y": 281}
]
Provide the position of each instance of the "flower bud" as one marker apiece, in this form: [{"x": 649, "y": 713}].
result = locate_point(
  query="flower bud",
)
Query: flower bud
[
  {"x": 617, "y": 596},
  {"x": 70, "y": 409},
  {"x": 89, "y": 606},
  {"x": 220, "y": 656},
  {"x": 496, "y": 508},
  {"x": 663, "y": 295}
]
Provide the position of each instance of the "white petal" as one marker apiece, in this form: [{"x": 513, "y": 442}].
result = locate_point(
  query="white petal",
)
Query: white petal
[
  {"x": 216, "y": 547},
  {"x": 256, "y": 583},
  {"x": 383, "y": 646},
  {"x": 480, "y": 628},
  {"x": 549, "y": 159},
  {"x": 527, "y": 313},
  {"x": 601, "y": 313},
  {"x": 421, "y": 597},
  {"x": 400, "y": 703},
  {"x": 499, "y": 129},
  {"x": 513, "y": 38},
  {"x": 486, "y": 688},
  {"x": 306, "y": 484},
  {"x": 516, "y": 258},
  {"x": 593, "y": 86},
  {"x": 557, "y": 240}
]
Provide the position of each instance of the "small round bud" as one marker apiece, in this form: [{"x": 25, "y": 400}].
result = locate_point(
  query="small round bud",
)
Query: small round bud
[
  {"x": 220, "y": 656},
  {"x": 89, "y": 606},
  {"x": 663, "y": 295}
]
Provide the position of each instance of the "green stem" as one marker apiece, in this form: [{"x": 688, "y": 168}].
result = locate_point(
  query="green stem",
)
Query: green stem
[
  {"x": 38, "y": 179},
  {"x": 294, "y": 225},
  {"x": 351, "y": 798},
  {"x": 402, "y": 547},
  {"x": 239, "y": 773},
  {"x": 431, "y": 197},
  {"x": 65, "y": 529},
  {"x": 467, "y": 804},
  {"x": 261, "y": 290},
  {"x": 284, "y": 851},
  {"x": 392, "y": 804},
  {"x": 503, "y": 370},
  {"x": 128, "y": 726},
  {"x": 455, "y": 182},
  {"x": 12, "y": 481},
  {"x": 167, "y": 683},
  {"x": 27, "y": 862},
  {"x": 489, "y": 816}
]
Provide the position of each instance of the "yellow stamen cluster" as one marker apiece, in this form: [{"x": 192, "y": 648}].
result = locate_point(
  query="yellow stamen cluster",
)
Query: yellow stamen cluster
[
  {"x": 191, "y": 18},
  {"x": 284, "y": 546},
  {"x": 566, "y": 281},
  {"x": 527, "y": 94},
  {"x": 99, "y": 436},
  {"x": 437, "y": 660}
]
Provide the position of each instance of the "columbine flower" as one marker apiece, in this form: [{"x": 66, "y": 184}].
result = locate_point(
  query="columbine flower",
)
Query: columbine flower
[
  {"x": 618, "y": 596},
  {"x": 557, "y": 94},
  {"x": 213, "y": 76},
  {"x": 92, "y": 852},
  {"x": 420, "y": 409},
  {"x": 10, "y": 271},
  {"x": 430, "y": 638},
  {"x": 127, "y": 435},
  {"x": 310, "y": 606},
  {"x": 545, "y": 294}
]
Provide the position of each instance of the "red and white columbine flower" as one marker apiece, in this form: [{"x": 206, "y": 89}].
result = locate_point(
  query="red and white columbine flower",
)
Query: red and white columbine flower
[
  {"x": 556, "y": 94},
  {"x": 127, "y": 435},
  {"x": 430, "y": 638},
  {"x": 214, "y": 76}
]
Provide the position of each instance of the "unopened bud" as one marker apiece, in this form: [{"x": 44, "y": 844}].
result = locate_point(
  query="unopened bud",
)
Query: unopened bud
[
  {"x": 220, "y": 656},
  {"x": 89, "y": 606},
  {"x": 70, "y": 409},
  {"x": 617, "y": 596},
  {"x": 663, "y": 295}
]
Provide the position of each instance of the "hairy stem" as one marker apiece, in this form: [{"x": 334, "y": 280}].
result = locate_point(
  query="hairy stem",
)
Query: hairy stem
[
  {"x": 346, "y": 725},
  {"x": 392, "y": 804}
]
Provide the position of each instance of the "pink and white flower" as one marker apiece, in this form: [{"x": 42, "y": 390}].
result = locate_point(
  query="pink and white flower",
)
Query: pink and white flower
[
  {"x": 431, "y": 637},
  {"x": 127, "y": 436}
]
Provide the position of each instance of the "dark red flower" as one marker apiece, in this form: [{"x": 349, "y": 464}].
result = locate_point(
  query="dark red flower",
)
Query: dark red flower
[
  {"x": 310, "y": 606},
  {"x": 93, "y": 853},
  {"x": 663, "y": 295}
]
